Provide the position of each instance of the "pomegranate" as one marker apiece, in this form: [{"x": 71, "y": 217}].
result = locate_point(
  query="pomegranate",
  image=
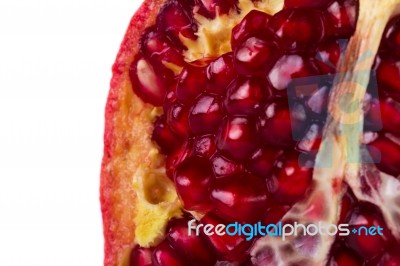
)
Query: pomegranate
[{"x": 242, "y": 112}]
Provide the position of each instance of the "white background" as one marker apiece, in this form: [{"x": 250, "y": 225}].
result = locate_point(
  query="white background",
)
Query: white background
[{"x": 55, "y": 68}]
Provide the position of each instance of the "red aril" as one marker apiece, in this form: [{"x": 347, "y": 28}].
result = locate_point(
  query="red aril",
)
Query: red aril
[
  {"x": 189, "y": 246},
  {"x": 210, "y": 8},
  {"x": 391, "y": 258},
  {"x": 255, "y": 23},
  {"x": 308, "y": 3},
  {"x": 157, "y": 46},
  {"x": 341, "y": 17},
  {"x": 205, "y": 115},
  {"x": 204, "y": 146},
  {"x": 193, "y": 178},
  {"x": 298, "y": 29},
  {"x": 289, "y": 68},
  {"x": 328, "y": 55},
  {"x": 392, "y": 36},
  {"x": 229, "y": 248},
  {"x": 291, "y": 180},
  {"x": 237, "y": 137},
  {"x": 220, "y": 73},
  {"x": 223, "y": 167},
  {"x": 388, "y": 75},
  {"x": 345, "y": 257},
  {"x": 191, "y": 82},
  {"x": 140, "y": 257},
  {"x": 247, "y": 96},
  {"x": 151, "y": 82},
  {"x": 175, "y": 20},
  {"x": 255, "y": 56},
  {"x": 165, "y": 255},
  {"x": 240, "y": 198},
  {"x": 385, "y": 113},
  {"x": 177, "y": 157},
  {"x": 262, "y": 161},
  {"x": 281, "y": 128},
  {"x": 163, "y": 136},
  {"x": 362, "y": 242},
  {"x": 177, "y": 119},
  {"x": 386, "y": 155}
]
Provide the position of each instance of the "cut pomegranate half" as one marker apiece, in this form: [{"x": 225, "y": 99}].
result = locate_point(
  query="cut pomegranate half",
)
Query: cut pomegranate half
[{"x": 253, "y": 111}]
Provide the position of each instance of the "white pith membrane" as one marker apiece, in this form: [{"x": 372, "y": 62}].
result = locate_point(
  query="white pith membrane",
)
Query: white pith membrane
[{"x": 341, "y": 145}]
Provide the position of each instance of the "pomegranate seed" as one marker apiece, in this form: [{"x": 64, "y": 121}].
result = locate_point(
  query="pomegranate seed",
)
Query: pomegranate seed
[
  {"x": 190, "y": 246},
  {"x": 140, "y": 257},
  {"x": 274, "y": 214},
  {"x": 229, "y": 248},
  {"x": 224, "y": 167},
  {"x": 255, "y": 56},
  {"x": 220, "y": 74},
  {"x": 291, "y": 180},
  {"x": 178, "y": 119},
  {"x": 237, "y": 137},
  {"x": 148, "y": 85},
  {"x": 246, "y": 96},
  {"x": 262, "y": 162},
  {"x": 345, "y": 257},
  {"x": 388, "y": 75},
  {"x": 163, "y": 136},
  {"x": 348, "y": 202},
  {"x": 193, "y": 178},
  {"x": 385, "y": 113},
  {"x": 174, "y": 20},
  {"x": 308, "y": 3},
  {"x": 165, "y": 255},
  {"x": 365, "y": 245},
  {"x": 312, "y": 140},
  {"x": 392, "y": 35},
  {"x": 388, "y": 259},
  {"x": 328, "y": 55},
  {"x": 191, "y": 82},
  {"x": 254, "y": 23},
  {"x": 157, "y": 46},
  {"x": 204, "y": 146},
  {"x": 290, "y": 67},
  {"x": 341, "y": 18},
  {"x": 280, "y": 127},
  {"x": 386, "y": 154},
  {"x": 205, "y": 115},
  {"x": 240, "y": 198},
  {"x": 170, "y": 99},
  {"x": 210, "y": 8},
  {"x": 177, "y": 157},
  {"x": 298, "y": 29},
  {"x": 318, "y": 101}
]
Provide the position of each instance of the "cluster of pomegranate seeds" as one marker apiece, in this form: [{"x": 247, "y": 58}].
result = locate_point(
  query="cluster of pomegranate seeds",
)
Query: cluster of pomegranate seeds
[
  {"x": 240, "y": 131},
  {"x": 383, "y": 114}
]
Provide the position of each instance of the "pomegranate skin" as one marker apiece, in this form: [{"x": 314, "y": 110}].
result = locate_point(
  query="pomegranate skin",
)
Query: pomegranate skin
[{"x": 118, "y": 239}]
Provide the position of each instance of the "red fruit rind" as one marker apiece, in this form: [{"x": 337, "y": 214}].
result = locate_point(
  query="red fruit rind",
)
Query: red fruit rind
[{"x": 128, "y": 127}]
